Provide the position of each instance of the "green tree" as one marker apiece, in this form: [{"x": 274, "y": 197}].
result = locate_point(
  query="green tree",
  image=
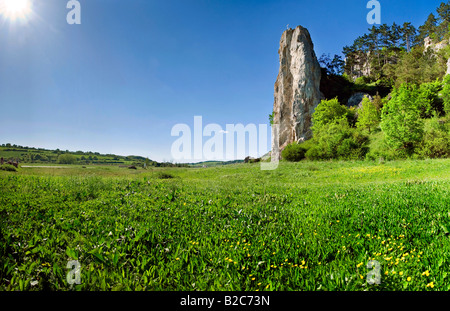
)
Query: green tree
[
  {"x": 368, "y": 115},
  {"x": 67, "y": 159},
  {"x": 333, "y": 66},
  {"x": 400, "y": 119},
  {"x": 294, "y": 152},
  {"x": 394, "y": 35},
  {"x": 408, "y": 68},
  {"x": 328, "y": 111},
  {"x": 408, "y": 32},
  {"x": 444, "y": 19},
  {"x": 445, "y": 94},
  {"x": 337, "y": 140},
  {"x": 429, "y": 101},
  {"x": 427, "y": 29}
]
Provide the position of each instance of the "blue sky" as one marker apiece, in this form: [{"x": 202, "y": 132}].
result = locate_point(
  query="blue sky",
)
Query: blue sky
[{"x": 133, "y": 69}]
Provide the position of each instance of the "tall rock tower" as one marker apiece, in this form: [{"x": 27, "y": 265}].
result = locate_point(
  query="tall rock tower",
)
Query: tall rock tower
[{"x": 297, "y": 90}]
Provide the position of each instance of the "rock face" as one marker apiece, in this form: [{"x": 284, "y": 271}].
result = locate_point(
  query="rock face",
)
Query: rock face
[
  {"x": 448, "y": 67},
  {"x": 357, "y": 98},
  {"x": 435, "y": 48},
  {"x": 297, "y": 90}
]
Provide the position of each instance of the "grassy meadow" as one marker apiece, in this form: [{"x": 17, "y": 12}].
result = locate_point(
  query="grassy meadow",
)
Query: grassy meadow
[{"x": 304, "y": 226}]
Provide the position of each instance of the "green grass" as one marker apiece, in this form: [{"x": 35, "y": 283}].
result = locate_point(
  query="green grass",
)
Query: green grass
[{"x": 305, "y": 226}]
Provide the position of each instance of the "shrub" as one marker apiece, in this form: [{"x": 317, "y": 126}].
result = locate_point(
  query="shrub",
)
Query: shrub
[
  {"x": 337, "y": 140},
  {"x": 327, "y": 112},
  {"x": 67, "y": 159},
  {"x": 400, "y": 119},
  {"x": 445, "y": 94},
  {"x": 368, "y": 115},
  {"x": 163, "y": 175},
  {"x": 294, "y": 152},
  {"x": 428, "y": 99},
  {"x": 436, "y": 140},
  {"x": 8, "y": 168},
  {"x": 379, "y": 149}
]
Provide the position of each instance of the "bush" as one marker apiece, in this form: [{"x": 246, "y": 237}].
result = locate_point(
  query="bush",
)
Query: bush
[
  {"x": 67, "y": 159},
  {"x": 400, "y": 119},
  {"x": 368, "y": 115},
  {"x": 337, "y": 140},
  {"x": 8, "y": 168},
  {"x": 294, "y": 152},
  {"x": 429, "y": 101},
  {"x": 327, "y": 112},
  {"x": 436, "y": 140},
  {"x": 445, "y": 94},
  {"x": 379, "y": 149},
  {"x": 163, "y": 175}
]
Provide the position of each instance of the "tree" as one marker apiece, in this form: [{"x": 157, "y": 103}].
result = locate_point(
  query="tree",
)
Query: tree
[
  {"x": 67, "y": 158},
  {"x": 368, "y": 115},
  {"x": 337, "y": 140},
  {"x": 337, "y": 65},
  {"x": 400, "y": 119},
  {"x": 444, "y": 12},
  {"x": 446, "y": 94},
  {"x": 407, "y": 69},
  {"x": 394, "y": 35},
  {"x": 384, "y": 35},
  {"x": 328, "y": 111},
  {"x": 408, "y": 32},
  {"x": 333, "y": 66},
  {"x": 428, "y": 99},
  {"x": 444, "y": 19},
  {"x": 427, "y": 29}
]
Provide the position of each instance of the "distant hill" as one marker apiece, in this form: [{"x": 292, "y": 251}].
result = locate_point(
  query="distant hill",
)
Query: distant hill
[{"x": 41, "y": 155}]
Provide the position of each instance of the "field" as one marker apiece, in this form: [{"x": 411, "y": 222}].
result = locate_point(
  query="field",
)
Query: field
[{"x": 305, "y": 226}]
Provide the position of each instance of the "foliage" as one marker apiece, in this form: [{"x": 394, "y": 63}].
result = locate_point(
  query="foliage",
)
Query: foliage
[
  {"x": 294, "y": 152},
  {"x": 67, "y": 159},
  {"x": 400, "y": 119},
  {"x": 333, "y": 66},
  {"x": 445, "y": 94},
  {"x": 429, "y": 101},
  {"x": 368, "y": 115},
  {"x": 379, "y": 149},
  {"x": 327, "y": 112},
  {"x": 8, "y": 168},
  {"x": 395, "y": 53},
  {"x": 337, "y": 140},
  {"x": 436, "y": 140}
]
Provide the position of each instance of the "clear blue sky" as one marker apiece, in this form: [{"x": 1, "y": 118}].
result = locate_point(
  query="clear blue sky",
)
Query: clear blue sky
[{"x": 133, "y": 69}]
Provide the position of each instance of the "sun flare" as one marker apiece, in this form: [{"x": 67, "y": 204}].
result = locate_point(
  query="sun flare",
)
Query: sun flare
[{"x": 14, "y": 9}]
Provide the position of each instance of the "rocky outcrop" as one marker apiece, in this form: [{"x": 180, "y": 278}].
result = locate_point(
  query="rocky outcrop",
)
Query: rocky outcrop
[
  {"x": 297, "y": 90},
  {"x": 357, "y": 98},
  {"x": 435, "y": 48}
]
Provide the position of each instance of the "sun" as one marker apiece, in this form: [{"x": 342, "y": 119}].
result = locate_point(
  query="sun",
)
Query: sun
[{"x": 15, "y": 9}]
